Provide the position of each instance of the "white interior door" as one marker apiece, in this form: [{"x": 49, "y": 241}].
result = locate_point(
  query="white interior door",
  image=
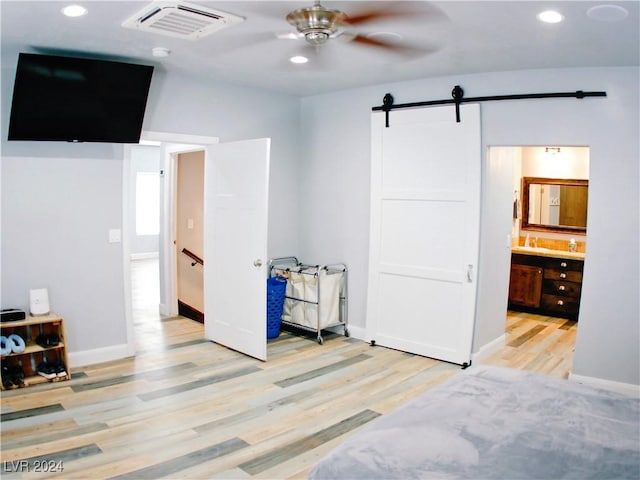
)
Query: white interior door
[
  {"x": 425, "y": 210},
  {"x": 235, "y": 245}
]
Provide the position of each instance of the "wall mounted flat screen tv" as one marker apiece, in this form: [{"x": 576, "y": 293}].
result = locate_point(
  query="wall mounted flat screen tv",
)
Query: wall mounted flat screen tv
[{"x": 72, "y": 99}]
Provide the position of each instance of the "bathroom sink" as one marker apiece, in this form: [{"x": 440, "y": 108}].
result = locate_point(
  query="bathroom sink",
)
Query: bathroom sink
[
  {"x": 548, "y": 252},
  {"x": 535, "y": 249}
]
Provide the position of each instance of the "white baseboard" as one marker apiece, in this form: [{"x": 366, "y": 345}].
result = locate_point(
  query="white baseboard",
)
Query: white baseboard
[
  {"x": 144, "y": 256},
  {"x": 489, "y": 348},
  {"x": 98, "y": 355},
  {"x": 357, "y": 332},
  {"x": 619, "y": 387},
  {"x": 354, "y": 331},
  {"x": 165, "y": 311}
]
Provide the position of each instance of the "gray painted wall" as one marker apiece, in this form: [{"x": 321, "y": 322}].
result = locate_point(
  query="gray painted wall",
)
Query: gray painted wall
[
  {"x": 56, "y": 214},
  {"x": 335, "y": 181},
  {"x": 59, "y": 201},
  {"x": 55, "y": 222}
]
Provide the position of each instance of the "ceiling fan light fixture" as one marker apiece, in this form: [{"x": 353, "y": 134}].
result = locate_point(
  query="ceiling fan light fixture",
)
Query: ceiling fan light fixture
[
  {"x": 316, "y": 23},
  {"x": 317, "y": 37}
]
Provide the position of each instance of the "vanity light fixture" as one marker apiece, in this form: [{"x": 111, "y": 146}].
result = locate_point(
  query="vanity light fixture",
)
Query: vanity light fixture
[
  {"x": 299, "y": 59},
  {"x": 552, "y": 150},
  {"x": 74, "y": 11},
  {"x": 550, "y": 16}
]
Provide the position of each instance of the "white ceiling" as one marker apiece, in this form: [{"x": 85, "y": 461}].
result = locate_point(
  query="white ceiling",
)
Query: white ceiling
[{"x": 458, "y": 37}]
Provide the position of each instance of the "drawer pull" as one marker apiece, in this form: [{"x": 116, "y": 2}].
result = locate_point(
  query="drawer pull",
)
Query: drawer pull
[
  {"x": 563, "y": 275},
  {"x": 560, "y": 302},
  {"x": 561, "y": 288},
  {"x": 563, "y": 264}
]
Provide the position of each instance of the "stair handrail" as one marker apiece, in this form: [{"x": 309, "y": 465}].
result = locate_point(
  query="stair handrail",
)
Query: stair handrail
[{"x": 196, "y": 259}]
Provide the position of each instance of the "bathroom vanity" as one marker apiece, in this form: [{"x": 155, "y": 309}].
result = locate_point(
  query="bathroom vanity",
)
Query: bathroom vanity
[{"x": 545, "y": 281}]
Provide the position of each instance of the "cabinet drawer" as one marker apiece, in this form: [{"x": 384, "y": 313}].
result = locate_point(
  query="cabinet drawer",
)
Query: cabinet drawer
[
  {"x": 563, "y": 264},
  {"x": 522, "y": 259},
  {"x": 561, "y": 288},
  {"x": 560, "y": 304},
  {"x": 566, "y": 275}
]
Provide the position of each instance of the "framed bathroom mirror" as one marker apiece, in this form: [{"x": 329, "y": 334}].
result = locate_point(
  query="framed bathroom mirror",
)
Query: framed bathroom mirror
[{"x": 553, "y": 204}]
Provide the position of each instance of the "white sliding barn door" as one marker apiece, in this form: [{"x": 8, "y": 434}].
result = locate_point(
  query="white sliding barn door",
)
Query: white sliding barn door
[
  {"x": 425, "y": 211},
  {"x": 235, "y": 245}
]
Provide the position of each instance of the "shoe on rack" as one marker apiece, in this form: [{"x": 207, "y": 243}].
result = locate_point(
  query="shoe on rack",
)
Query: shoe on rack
[
  {"x": 46, "y": 370},
  {"x": 48, "y": 340},
  {"x": 60, "y": 369},
  {"x": 17, "y": 376},
  {"x": 6, "y": 377}
]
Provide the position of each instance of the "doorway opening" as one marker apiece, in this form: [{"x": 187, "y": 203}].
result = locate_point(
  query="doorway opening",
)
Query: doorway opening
[
  {"x": 143, "y": 186},
  {"x": 546, "y": 254},
  {"x": 189, "y": 234},
  {"x": 150, "y": 268},
  {"x": 236, "y": 185}
]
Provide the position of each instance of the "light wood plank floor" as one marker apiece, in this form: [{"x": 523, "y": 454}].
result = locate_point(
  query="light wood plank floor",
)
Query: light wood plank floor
[
  {"x": 537, "y": 343},
  {"x": 187, "y": 408}
]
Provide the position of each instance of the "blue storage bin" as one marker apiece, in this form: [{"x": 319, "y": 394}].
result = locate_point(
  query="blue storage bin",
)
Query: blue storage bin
[{"x": 276, "y": 288}]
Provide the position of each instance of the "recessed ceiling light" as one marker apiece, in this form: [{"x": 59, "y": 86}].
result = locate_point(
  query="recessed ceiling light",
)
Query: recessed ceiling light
[
  {"x": 74, "y": 10},
  {"x": 298, "y": 59},
  {"x": 607, "y": 13},
  {"x": 550, "y": 16}
]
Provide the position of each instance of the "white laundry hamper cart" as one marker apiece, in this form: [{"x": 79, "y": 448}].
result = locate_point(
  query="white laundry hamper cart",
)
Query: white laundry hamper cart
[{"x": 316, "y": 295}]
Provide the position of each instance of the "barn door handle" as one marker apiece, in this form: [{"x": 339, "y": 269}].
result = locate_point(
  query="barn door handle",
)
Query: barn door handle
[{"x": 469, "y": 273}]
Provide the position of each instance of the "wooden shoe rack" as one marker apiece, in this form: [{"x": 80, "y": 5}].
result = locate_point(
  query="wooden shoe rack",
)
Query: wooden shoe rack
[{"x": 34, "y": 354}]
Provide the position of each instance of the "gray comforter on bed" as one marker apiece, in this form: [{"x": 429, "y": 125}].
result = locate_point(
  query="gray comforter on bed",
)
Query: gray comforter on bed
[{"x": 496, "y": 423}]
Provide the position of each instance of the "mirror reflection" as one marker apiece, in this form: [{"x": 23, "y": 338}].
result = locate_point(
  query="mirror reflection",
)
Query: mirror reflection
[{"x": 555, "y": 204}]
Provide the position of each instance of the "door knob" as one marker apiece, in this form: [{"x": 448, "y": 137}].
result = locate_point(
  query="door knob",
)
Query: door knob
[{"x": 257, "y": 263}]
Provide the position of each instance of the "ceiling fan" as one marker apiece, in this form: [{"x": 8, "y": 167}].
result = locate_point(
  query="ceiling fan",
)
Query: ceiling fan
[{"x": 318, "y": 25}]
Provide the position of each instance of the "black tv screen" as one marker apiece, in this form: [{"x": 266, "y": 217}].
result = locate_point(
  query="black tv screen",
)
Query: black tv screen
[{"x": 78, "y": 99}]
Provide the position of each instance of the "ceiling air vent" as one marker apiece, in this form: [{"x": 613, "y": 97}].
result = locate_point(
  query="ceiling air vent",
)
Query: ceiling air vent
[{"x": 182, "y": 20}]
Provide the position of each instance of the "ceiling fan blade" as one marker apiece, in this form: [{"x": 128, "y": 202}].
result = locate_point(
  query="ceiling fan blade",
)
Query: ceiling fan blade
[
  {"x": 396, "y": 47},
  {"x": 371, "y": 16},
  {"x": 391, "y": 10},
  {"x": 291, "y": 35}
]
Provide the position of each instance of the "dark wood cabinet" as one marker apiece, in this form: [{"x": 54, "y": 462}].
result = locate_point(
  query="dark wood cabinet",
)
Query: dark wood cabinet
[
  {"x": 546, "y": 285},
  {"x": 525, "y": 285}
]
